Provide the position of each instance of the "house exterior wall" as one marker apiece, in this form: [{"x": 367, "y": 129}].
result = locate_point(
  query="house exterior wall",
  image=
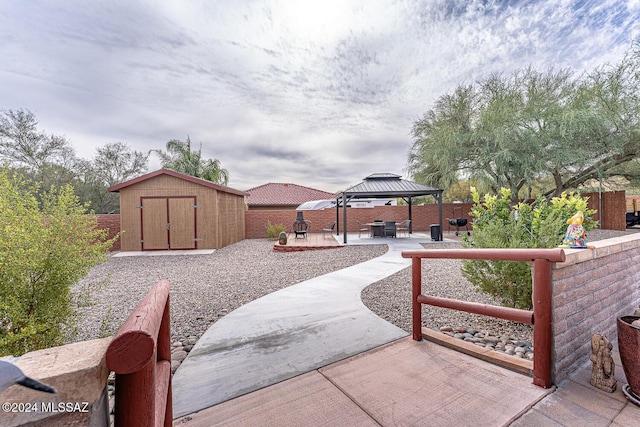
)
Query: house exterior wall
[{"x": 271, "y": 208}]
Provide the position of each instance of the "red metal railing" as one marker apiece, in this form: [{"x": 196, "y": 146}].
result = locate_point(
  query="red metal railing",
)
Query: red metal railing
[
  {"x": 140, "y": 355},
  {"x": 540, "y": 318}
]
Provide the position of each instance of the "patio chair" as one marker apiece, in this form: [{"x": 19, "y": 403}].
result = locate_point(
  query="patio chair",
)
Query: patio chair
[
  {"x": 389, "y": 229},
  {"x": 362, "y": 228},
  {"x": 329, "y": 229},
  {"x": 403, "y": 227}
]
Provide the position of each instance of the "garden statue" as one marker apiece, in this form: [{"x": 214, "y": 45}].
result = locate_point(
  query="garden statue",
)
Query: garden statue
[
  {"x": 602, "y": 373},
  {"x": 575, "y": 238}
]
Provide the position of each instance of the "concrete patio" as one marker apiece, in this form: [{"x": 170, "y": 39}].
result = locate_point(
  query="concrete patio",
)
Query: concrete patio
[{"x": 306, "y": 379}]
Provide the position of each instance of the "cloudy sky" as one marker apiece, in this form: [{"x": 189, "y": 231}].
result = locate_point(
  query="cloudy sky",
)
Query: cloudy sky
[{"x": 317, "y": 93}]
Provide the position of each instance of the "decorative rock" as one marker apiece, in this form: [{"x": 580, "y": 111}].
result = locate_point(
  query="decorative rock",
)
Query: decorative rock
[
  {"x": 188, "y": 348},
  {"x": 486, "y": 339},
  {"x": 174, "y": 366},
  {"x": 178, "y": 356}
]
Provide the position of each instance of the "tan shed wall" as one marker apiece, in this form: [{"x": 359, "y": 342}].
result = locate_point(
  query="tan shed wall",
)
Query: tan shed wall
[
  {"x": 231, "y": 223},
  {"x": 212, "y": 228}
]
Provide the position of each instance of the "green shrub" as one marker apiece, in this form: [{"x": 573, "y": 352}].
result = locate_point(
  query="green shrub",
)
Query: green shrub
[
  {"x": 44, "y": 250},
  {"x": 496, "y": 224},
  {"x": 274, "y": 230}
]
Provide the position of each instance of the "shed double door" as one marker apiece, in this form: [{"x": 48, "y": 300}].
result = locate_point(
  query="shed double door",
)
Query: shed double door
[{"x": 168, "y": 223}]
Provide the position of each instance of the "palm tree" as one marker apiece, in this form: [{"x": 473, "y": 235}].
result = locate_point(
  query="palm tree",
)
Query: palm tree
[{"x": 180, "y": 158}]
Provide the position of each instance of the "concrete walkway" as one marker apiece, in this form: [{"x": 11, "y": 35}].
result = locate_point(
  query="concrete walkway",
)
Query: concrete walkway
[{"x": 289, "y": 332}]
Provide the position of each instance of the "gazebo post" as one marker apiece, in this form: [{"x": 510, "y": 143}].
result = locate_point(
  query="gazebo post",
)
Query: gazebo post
[
  {"x": 439, "y": 198},
  {"x": 410, "y": 217},
  {"x": 344, "y": 216},
  {"x": 337, "y": 216}
]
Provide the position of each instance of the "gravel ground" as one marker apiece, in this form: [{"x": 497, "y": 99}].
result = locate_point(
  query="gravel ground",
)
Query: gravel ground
[
  {"x": 206, "y": 287},
  {"x": 390, "y": 298}
]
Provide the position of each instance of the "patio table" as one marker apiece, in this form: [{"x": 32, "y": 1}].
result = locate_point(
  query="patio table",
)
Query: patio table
[{"x": 376, "y": 229}]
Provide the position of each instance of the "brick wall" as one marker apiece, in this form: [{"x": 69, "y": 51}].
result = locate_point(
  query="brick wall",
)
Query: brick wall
[
  {"x": 112, "y": 223},
  {"x": 590, "y": 290},
  {"x": 422, "y": 217}
]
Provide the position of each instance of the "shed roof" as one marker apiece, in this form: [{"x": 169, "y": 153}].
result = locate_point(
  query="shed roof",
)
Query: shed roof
[
  {"x": 169, "y": 172},
  {"x": 379, "y": 185},
  {"x": 284, "y": 194}
]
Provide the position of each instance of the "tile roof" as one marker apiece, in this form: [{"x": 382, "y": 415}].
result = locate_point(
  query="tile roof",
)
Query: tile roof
[{"x": 284, "y": 194}]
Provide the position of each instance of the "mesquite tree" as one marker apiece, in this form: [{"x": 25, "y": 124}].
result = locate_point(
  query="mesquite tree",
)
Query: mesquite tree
[{"x": 511, "y": 130}]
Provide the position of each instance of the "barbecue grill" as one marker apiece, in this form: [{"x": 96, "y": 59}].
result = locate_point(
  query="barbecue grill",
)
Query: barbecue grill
[{"x": 458, "y": 222}]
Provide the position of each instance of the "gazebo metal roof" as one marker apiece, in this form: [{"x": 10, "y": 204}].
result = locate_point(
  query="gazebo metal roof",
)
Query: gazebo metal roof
[
  {"x": 388, "y": 185},
  {"x": 383, "y": 185}
]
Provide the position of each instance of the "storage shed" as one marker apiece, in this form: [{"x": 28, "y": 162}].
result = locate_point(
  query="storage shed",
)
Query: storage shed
[{"x": 165, "y": 210}]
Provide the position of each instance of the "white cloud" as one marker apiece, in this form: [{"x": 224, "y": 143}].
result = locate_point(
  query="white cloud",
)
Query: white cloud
[{"x": 316, "y": 93}]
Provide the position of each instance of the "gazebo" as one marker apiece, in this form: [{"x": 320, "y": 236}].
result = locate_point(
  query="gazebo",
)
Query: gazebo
[{"x": 384, "y": 186}]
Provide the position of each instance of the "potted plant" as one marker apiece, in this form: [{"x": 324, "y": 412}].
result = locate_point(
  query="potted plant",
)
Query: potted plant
[
  {"x": 282, "y": 239},
  {"x": 629, "y": 346}
]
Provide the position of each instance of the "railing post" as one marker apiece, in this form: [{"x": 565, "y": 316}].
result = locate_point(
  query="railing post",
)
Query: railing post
[
  {"x": 140, "y": 355},
  {"x": 164, "y": 354},
  {"x": 416, "y": 290},
  {"x": 542, "y": 310}
]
